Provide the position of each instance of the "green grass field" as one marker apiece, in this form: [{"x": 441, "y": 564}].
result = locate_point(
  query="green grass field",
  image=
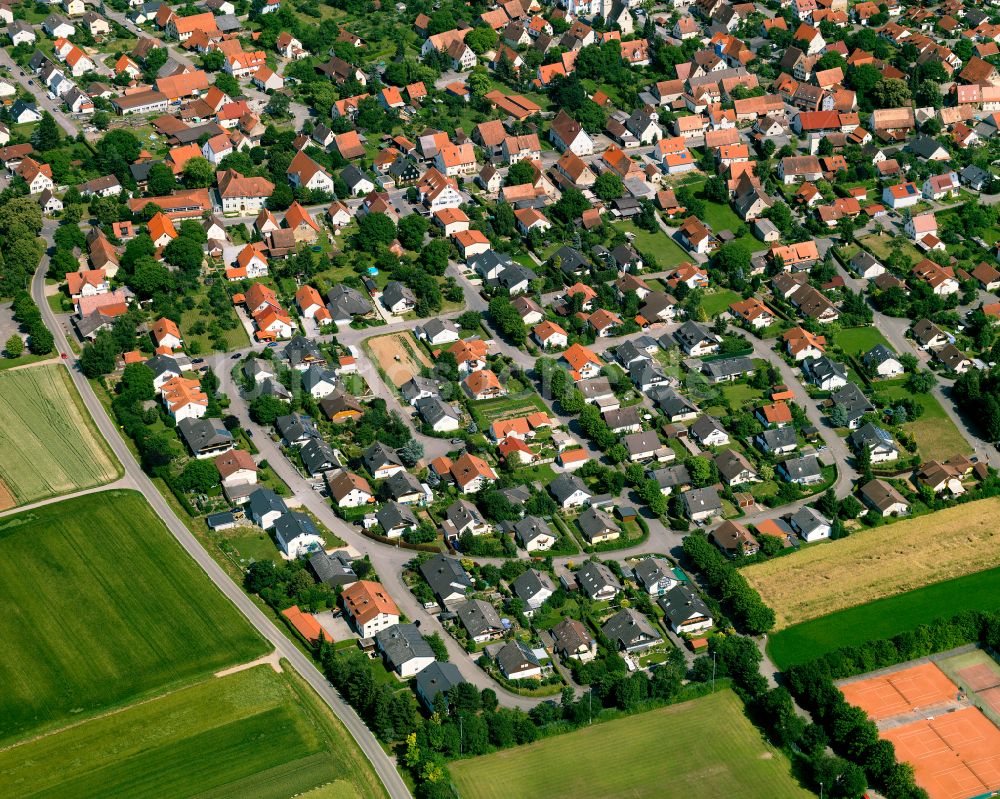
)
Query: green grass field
[
  {"x": 858, "y": 340},
  {"x": 879, "y": 246},
  {"x": 48, "y": 442},
  {"x": 103, "y": 608},
  {"x": 884, "y": 618},
  {"x": 510, "y": 407},
  {"x": 667, "y": 252},
  {"x": 254, "y": 733},
  {"x": 936, "y": 435},
  {"x": 717, "y": 301},
  {"x": 722, "y": 217},
  {"x": 699, "y": 749}
]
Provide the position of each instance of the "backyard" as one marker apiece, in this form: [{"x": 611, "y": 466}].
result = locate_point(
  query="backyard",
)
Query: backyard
[
  {"x": 510, "y": 407},
  {"x": 859, "y": 340},
  {"x": 109, "y": 610},
  {"x": 882, "y": 562},
  {"x": 718, "y": 753},
  {"x": 718, "y": 300},
  {"x": 668, "y": 253},
  {"x": 48, "y": 442},
  {"x": 878, "y": 244},
  {"x": 936, "y": 435}
]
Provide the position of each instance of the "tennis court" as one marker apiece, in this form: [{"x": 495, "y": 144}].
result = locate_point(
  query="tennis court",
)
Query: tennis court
[
  {"x": 901, "y": 692},
  {"x": 979, "y": 674},
  {"x": 954, "y": 756},
  {"x": 979, "y": 677}
]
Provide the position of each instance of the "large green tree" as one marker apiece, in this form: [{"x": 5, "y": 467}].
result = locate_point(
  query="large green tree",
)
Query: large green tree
[{"x": 46, "y": 136}]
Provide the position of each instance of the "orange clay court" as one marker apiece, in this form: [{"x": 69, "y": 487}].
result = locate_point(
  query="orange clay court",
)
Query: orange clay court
[
  {"x": 901, "y": 692},
  {"x": 954, "y": 756}
]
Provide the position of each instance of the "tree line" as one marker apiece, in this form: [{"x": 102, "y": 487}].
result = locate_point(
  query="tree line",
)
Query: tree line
[
  {"x": 849, "y": 731},
  {"x": 738, "y": 598}
]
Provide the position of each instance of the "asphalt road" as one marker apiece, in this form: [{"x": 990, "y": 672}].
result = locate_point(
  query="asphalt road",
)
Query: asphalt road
[
  {"x": 34, "y": 87},
  {"x": 134, "y": 477}
]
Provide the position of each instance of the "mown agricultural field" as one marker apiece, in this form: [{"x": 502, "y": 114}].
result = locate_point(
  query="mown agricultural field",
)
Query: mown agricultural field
[
  {"x": 101, "y": 607},
  {"x": 881, "y": 562},
  {"x": 884, "y": 618},
  {"x": 699, "y": 749},
  {"x": 48, "y": 442},
  {"x": 254, "y": 733}
]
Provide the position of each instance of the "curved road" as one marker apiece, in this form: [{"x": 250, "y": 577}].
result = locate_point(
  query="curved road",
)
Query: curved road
[{"x": 134, "y": 477}]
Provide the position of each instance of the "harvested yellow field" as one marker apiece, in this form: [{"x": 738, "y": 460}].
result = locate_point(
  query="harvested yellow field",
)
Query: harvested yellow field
[{"x": 878, "y": 563}]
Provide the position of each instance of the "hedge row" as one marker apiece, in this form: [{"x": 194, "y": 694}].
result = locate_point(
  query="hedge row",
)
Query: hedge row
[
  {"x": 851, "y": 733},
  {"x": 740, "y": 601}
]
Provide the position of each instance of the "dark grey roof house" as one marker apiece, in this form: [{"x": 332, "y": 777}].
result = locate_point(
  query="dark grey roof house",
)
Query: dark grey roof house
[
  {"x": 631, "y": 631},
  {"x": 333, "y": 568},
  {"x": 447, "y": 579},
  {"x": 205, "y": 437}
]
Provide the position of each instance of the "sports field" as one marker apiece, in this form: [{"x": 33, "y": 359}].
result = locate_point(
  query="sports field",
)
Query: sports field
[
  {"x": 254, "y": 733},
  {"x": 977, "y": 673},
  {"x": 48, "y": 442},
  {"x": 954, "y": 756},
  {"x": 884, "y": 618},
  {"x": 102, "y": 608},
  {"x": 699, "y": 749},
  {"x": 899, "y": 692},
  {"x": 953, "y": 747},
  {"x": 881, "y": 562}
]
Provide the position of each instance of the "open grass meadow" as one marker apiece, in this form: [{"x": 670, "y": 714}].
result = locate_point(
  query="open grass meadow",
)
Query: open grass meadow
[
  {"x": 879, "y": 245},
  {"x": 103, "y": 608},
  {"x": 48, "y": 442},
  {"x": 718, "y": 301},
  {"x": 858, "y": 340},
  {"x": 884, "y": 618},
  {"x": 668, "y": 253},
  {"x": 699, "y": 749},
  {"x": 936, "y": 435},
  {"x": 881, "y": 562},
  {"x": 254, "y": 733}
]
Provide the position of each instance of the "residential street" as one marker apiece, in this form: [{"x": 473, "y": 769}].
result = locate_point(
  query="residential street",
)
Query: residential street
[
  {"x": 33, "y": 87},
  {"x": 135, "y": 478}
]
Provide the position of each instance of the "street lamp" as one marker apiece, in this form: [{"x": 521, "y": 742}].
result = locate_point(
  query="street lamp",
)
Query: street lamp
[{"x": 821, "y": 790}]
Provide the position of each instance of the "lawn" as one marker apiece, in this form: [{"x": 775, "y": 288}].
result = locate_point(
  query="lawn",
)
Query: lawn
[
  {"x": 716, "y": 752},
  {"x": 719, "y": 300},
  {"x": 254, "y": 733},
  {"x": 936, "y": 435},
  {"x": 721, "y": 217},
  {"x": 48, "y": 442},
  {"x": 884, "y": 618},
  {"x": 881, "y": 562},
  {"x": 510, "y": 407},
  {"x": 103, "y": 608},
  {"x": 202, "y": 318},
  {"x": 879, "y": 246},
  {"x": 667, "y": 252},
  {"x": 858, "y": 340},
  {"x": 739, "y": 394}
]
